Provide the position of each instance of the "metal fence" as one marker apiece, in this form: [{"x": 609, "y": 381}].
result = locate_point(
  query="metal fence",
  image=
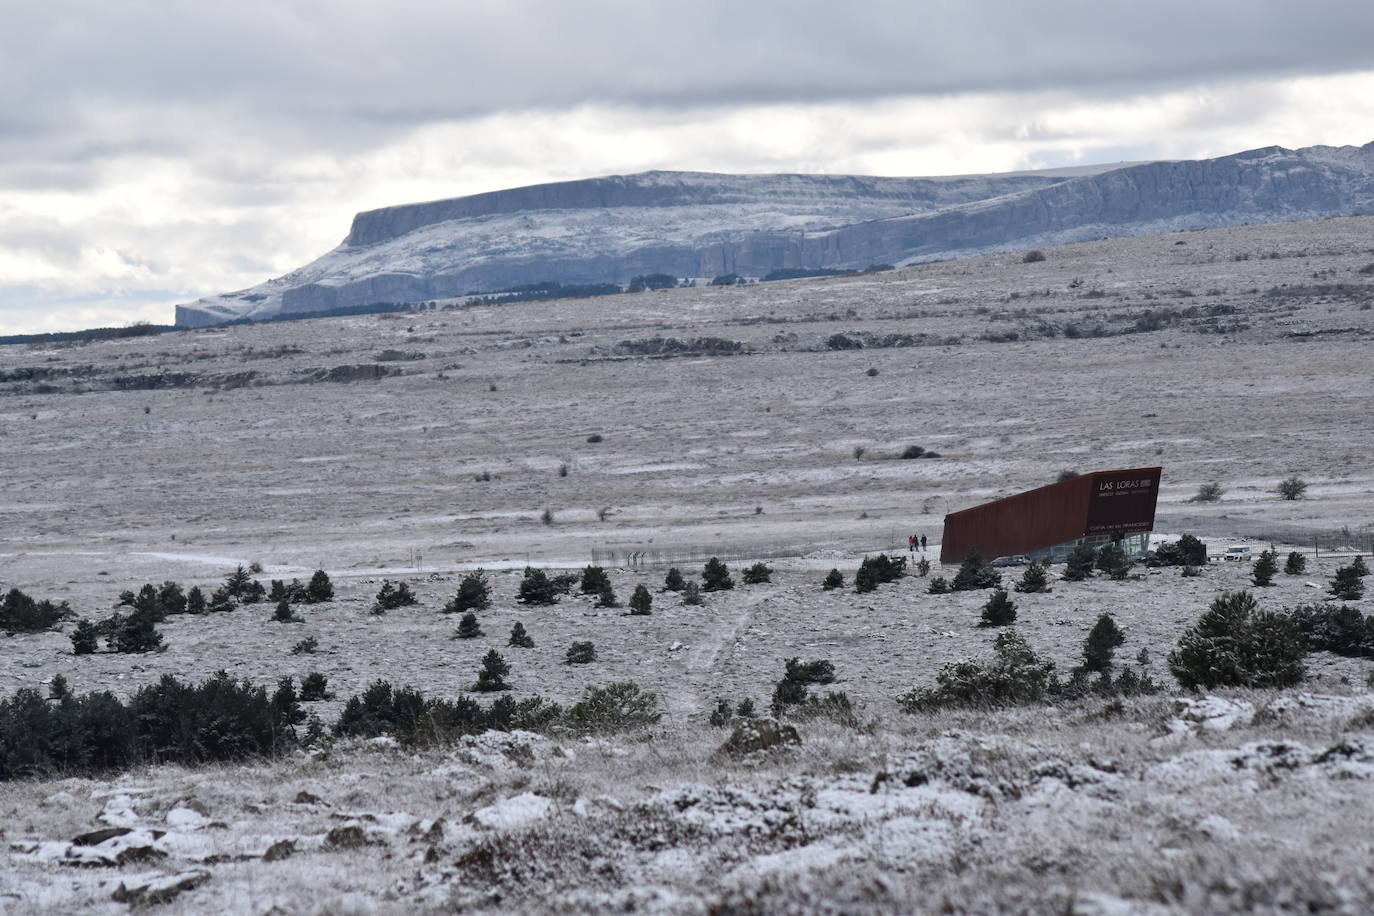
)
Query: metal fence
[
  {"x": 1346, "y": 539},
  {"x": 634, "y": 557}
]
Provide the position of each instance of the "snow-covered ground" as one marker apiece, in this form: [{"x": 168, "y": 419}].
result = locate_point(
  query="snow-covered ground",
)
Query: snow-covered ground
[{"x": 1260, "y": 371}]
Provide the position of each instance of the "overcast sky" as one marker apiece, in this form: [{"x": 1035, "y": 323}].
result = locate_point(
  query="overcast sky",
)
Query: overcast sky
[{"x": 155, "y": 152}]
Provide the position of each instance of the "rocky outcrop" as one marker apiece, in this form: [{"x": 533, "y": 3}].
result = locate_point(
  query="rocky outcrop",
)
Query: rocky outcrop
[{"x": 688, "y": 224}]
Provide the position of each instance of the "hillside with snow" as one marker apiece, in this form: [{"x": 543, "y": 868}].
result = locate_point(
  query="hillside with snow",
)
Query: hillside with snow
[{"x": 690, "y": 224}]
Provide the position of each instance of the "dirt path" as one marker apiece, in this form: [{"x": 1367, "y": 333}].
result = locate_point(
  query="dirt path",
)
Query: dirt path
[{"x": 703, "y": 659}]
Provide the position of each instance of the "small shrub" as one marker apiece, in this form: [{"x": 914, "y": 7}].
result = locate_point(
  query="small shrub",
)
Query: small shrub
[
  {"x": 1207, "y": 493},
  {"x": 874, "y": 571},
  {"x": 606, "y": 597},
  {"x": 757, "y": 574},
  {"x": 135, "y": 633},
  {"x": 1291, "y": 487},
  {"x": 1016, "y": 676},
  {"x": 474, "y": 594},
  {"x": 673, "y": 581},
  {"x": 519, "y": 638},
  {"x": 1080, "y": 563},
  {"x": 1191, "y": 572},
  {"x": 595, "y": 438},
  {"x": 580, "y": 653},
  {"x": 1186, "y": 551},
  {"x": 535, "y": 588},
  {"x": 1033, "y": 256},
  {"x": 390, "y": 597},
  {"x": 1102, "y": 642},
  {"x": 691, "y": 594},
  {"x": 617, "y": 707},
  {"x": 1296, "y": 564},
  {"x": 306, "y": 646},
  {"x": 315, "y": 687},
  {"x": 1112, "y": 560},
  {"x": 468, "y": 627},
  {"x": 84, "y": 638},
  {"x": 923, "y": 567},
  {"x": 716, "y": 576},
  {"x": 1033, "y": 580},
  {"x": 492, "y": 676},
  {"x": 195, "y": 601},
  {"x": 1263, "y": 569},
  {"x": 833, "y": 580},
  {"x": 1065, "y": 475},
  {"x": 721, "y": 715},
  {"x": 641, "y": 602},
  {"x": 975, "y": 573},
  {"x": 1234, "y": 644},
  {"x": 1341, "y": 629},
  {"x": 913, "y": 451},
  {"x": 283, "y": 613},
  {"x": 594, "y": 580},
  {"x": 320, "y": 588},
  {"x": 999, "y": 611},
  {"x": 818, "y": 671},
  {"x": 21, "y": 614},
  {"x": 938, "y": 586},
  {"x": 546, "y": 516},
  {"x": 1347, "y": 584}
]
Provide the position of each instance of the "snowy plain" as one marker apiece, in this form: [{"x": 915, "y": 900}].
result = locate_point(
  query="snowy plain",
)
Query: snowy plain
[{"x": 180, "y": 456}]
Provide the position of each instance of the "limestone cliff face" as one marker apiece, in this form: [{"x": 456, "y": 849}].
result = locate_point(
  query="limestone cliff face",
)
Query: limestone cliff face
[{"x": 607, "y": 230}]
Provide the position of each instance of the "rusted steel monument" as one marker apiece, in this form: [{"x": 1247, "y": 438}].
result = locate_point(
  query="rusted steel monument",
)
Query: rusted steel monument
[{"x": 1048, "y": 522}]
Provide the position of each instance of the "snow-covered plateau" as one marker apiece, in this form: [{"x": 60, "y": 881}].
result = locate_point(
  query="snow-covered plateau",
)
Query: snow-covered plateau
[
  {"x": 762, "y": 421},
  {"x": 696, "y": 225}
]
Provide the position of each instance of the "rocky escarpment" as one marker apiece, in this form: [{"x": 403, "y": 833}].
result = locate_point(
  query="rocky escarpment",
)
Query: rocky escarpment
[{"x": 685, "y": 224}]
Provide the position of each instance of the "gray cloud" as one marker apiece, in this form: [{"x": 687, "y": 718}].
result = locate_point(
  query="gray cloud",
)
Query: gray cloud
[{"x": 349, "y": 62}]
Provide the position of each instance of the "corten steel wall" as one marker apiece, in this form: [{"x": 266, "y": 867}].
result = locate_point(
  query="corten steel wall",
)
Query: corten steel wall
[{"x": 1101, "y": 502}]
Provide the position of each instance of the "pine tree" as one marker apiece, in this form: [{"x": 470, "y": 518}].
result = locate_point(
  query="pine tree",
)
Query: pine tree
[
  {"x": 253, "y": 592},
  {"x": 975, "y": 573},
  {"x": 606, "y": 597},
  {"x": 1296, "y": 564},
  {"x": 1000, "y": 610},
  {"x": 923, "y": 567},
  {"x": 833, "y": 580},
  {"x": 1033, "y": 580},
  {"x": 1359, "y": 566},
  {"x": 320, "y": 588},
  {"x": 715, "y": 576},
  {"x": 195, "y": 601},
  {"x": 390, "y": 597},
  {"x": 1112, "y": 560},
  {"x": 1234, "y": 644},
  {"x": 1347, "y": 585},
  {"x": 1101, "y": 643},
  {"x": 758, "y": 574},
  {"x": 673, "y": 582},
  {"x": 85, "y": 638},
  {"x": 691, "y": 593},
  {"x": 135, "y": 633},
  {"x": 865, "y": 579},
  {"x": 474, "y": 594},
  {"x": 938, "y": 586},
  {"x": 581, "y": 653},
  {"x": 1079, "y": 565},
  {"x": 315, "y": 687},
  {"x": 1262, "y": 572},
  {"x": 492, "y": 676},
  {"x": 519, "y": 638},
  {"x": 641, "y": 601},
  {"x": 277, "y": 591},
  {"x": 171, "y": 598},
  {"x": 535, "y": 588},
  {"x": 236, "y": 583},
  {"x": 594, "y": 580},
  {"x": 468, "y": 627},
  {"x": 283, "y": 613}
]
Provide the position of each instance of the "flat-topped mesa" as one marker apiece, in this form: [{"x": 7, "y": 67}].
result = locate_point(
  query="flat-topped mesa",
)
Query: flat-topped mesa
[
  {"x": 696, "y": 224},
  {"x": 693, "y": 189}
]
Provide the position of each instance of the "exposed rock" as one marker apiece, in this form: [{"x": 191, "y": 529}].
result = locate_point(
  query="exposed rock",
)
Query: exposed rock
[{"x": 154, "y": 888}]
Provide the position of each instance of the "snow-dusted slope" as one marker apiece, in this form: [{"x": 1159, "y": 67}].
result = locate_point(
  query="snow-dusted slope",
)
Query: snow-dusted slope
[{"x": 691, "y": 224}]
